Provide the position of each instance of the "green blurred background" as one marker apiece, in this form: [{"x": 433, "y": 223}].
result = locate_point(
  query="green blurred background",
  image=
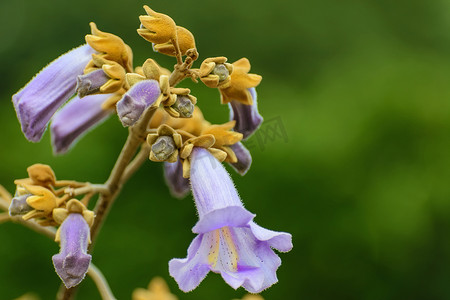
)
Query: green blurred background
[{"x": 361, "y": 178}]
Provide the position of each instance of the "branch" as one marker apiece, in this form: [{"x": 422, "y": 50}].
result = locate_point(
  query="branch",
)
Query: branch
[
  {"x": 136, "y": 136},
  {"x": 182, "y": 71},
  {"x": 4, "y": 217},
  {"x": 139, "y": 159},
  {"x": 101, "y": 283},
  {"x": 47, "y": 231},
  {"x": 177, "y": 51},
  {"x": 72, "y": 183},
  {"x": 89, "y": 188}
]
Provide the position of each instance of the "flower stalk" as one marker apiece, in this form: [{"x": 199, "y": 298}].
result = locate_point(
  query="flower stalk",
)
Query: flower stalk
[{"x": 101, "y": 283}]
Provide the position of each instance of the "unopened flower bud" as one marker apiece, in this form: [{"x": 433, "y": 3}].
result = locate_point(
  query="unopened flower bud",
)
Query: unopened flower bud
[
  {"x": 156, "y": 27},
  {"x": 19, "y": 205},
  {"x": 186, "y": 42},
  {"x": 90, "y": 83},
  {"x": 183, "y": 106},
  {"x": 164, "y": 144},
  {"x": 163, "y": 147},
  {"x": 72, "y": 261},
  {"x": 221, "y": 71},
  {"x": 136, "y": 100},
  {"x": 215, "y": 72},
  {"x": 41, "y": 174}
]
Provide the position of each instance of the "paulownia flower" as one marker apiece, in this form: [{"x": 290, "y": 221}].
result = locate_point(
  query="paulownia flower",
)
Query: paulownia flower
[
  {"x": 72, "y": 262},
  {"x": 19, "y": 205},
  {"x": 36, "y": 103},
  {"x": 228, "y": 241},
  {"x": 246, "y": 116},
  {"x": 75, "y": 119},
  {"x": 173, "y": 174},
  {"x": 243, "y": 158},
  {"x": 105, "y": 73},
  {"x": 91, "y": 83},
  {"x": 240, "y": 94},
  {"x": 141, "y": 95},
  {"x": 34, "y": 196},
  {"x": 226, "y": 140},
  {"x": 109, "y": 78},
  {"x": 42, "y": 200}
]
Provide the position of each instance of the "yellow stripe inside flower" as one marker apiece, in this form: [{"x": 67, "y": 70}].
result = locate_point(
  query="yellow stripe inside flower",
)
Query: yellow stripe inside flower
[{"x": 223, "y": 242}]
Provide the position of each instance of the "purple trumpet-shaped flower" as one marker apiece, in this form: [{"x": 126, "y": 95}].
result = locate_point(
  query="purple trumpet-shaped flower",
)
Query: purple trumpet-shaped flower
[
  {"x": 72, "y": 262},
  {"x": 77, "y": 118},
  {"x": 136, "y": 100},
  {"x": 36, "y": 103},
  {"x": 244, "y": 158},
  {"x": 247, "y": 117},
  {"x": 228, "y": 241},
  {"x": 173, "y": 174}
]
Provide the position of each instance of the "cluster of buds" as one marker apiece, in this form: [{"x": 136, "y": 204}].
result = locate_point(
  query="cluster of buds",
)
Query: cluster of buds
[
  {"x": 49, "y": 202},
  {"x": 147, "y": 100},
  {"x": 166, "y": 37},
  {"x": 174, "y": 141},
  {"x": 215, "y": 72}
]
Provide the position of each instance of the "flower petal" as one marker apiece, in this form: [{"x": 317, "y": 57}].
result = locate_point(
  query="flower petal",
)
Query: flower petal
[
  {"x": 211, "y": 185},
  {"x": 233, "y": 216},
  {"x": 190, "y": 271},
  {"x": 75, "y": 119},
  {"x": 281, "y": 241},
  {"x": 247, "y": 117},
  {"x": 48, "y": 90},
  {"x": 270, "y": 262},
  {"x": 136, "y": 100},
  {"x": 257, "y": 261},
  {"x": 178, "y": 185},
  {"x": 244, "y": 277},
  {"x": 244, "y": 158}
]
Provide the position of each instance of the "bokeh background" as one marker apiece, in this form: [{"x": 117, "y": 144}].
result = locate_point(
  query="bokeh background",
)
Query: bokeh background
[{"x": 353, "y": 160}]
